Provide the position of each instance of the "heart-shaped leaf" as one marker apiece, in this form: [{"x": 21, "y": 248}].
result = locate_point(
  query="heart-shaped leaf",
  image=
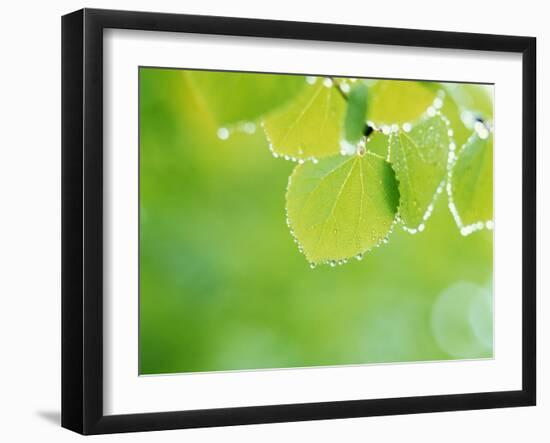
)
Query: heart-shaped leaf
[
  {"x": 341, "y": 207},
  {"x": 419, "y": 158},
  {"x": 470, "y": 185},
  {"x": 309, "y": 127}
]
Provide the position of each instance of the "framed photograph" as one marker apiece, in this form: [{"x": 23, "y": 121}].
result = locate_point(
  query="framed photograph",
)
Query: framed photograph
[{"x": 269, "y": 221}]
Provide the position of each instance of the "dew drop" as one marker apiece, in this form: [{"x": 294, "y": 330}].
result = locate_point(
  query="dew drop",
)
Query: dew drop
[
  {"x": 478, "y": 126},
  {"x": 431, "y": 111},
  {"x": 467, "y": 118},
  {"x": 347, "y": 148},
  {"x": 481, "y": 130},
  {"x": 223, "y": 133},
  {"x": 345, "y": 87},
  {"x": 438, "y": 103},
  {"x": 327, "y": 82},
  {"x": 311, "y": 79},
  {"x": 489, "y": 224},
  {"x": 407, "y": 127},
  {"x": 249, "y": 127}
]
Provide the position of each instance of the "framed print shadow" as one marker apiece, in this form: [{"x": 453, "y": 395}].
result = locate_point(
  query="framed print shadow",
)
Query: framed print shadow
[{"x": 267, "y": 221}]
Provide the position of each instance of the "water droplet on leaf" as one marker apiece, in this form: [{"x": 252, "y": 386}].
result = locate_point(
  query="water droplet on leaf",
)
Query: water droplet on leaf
[{"x": 223, "y": 133}]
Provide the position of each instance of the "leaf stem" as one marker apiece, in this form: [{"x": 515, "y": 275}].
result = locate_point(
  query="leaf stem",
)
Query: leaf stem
[{"x": 338, "y": 87}]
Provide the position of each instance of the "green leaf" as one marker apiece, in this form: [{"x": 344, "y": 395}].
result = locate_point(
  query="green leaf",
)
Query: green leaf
[
  {"x": 470, "y": 185},
  {"x": 419, "y": 159},
  {"x": 342, "y": 206},
  {"x": 355, "y": 119},
  {"x": 234, "y": 97},
  {"x": 377, "y": 143},
  {"x": 452, "y": 111},
  {"x": 393, "y": 101},
  {"x": 473, "y": 98},
  {"x": 310, "y": 125}
]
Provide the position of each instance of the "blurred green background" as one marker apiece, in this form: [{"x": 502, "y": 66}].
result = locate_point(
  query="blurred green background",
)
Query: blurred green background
[{"x": 224, "y": 287}]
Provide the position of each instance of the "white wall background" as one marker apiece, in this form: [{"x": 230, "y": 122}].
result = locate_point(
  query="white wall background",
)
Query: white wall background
[{"x": 30, "y": 219}]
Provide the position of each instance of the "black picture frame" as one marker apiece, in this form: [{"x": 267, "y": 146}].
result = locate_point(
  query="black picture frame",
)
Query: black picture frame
[{"x": 82, "y": 221}]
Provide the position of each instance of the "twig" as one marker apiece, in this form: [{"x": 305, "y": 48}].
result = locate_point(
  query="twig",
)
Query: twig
[{"x": 337, "y": 85}]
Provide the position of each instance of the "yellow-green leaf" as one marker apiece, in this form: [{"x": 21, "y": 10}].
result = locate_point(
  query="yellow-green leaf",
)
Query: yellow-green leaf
[
  {"x": 470, "y": 185},
  {"x": 419, "y": 158},
  {"x": 309, "y": 126},
  {"x": 452, "y": 111},
  {"x": 475, "y": 99},
  {"x": 342, "y": 206},
  {"x": 377, "y": 143},
  {"x": 392, "y": 101}
]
